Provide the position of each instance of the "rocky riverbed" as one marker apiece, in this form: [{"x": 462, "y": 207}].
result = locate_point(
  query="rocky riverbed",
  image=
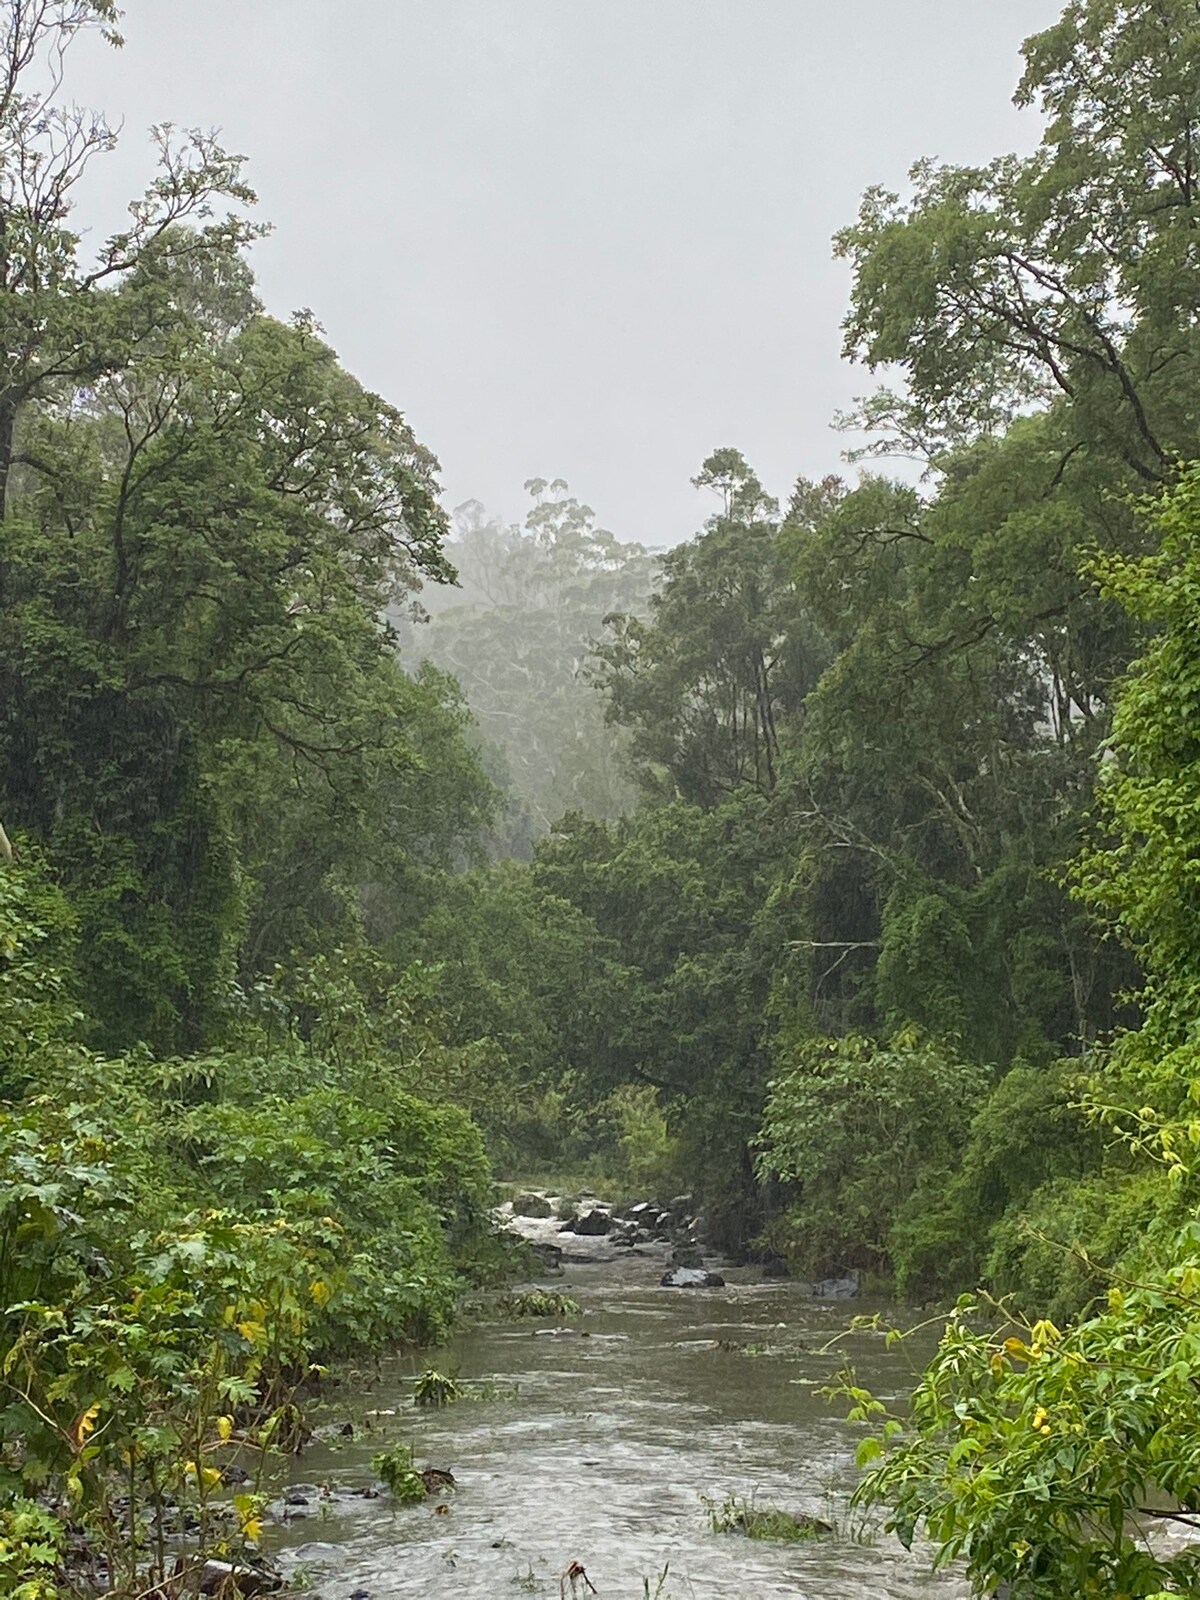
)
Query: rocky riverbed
[{"x": 606, "y": 1440}]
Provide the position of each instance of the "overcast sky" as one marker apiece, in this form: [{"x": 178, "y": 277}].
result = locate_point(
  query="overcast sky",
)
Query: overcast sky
[{"x": 585, "y": 239}]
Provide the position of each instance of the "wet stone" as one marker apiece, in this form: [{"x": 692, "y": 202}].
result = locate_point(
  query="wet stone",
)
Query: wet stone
[
  {"x": 691, "y": 1278},
  {"x": 592, "y": 1224}
]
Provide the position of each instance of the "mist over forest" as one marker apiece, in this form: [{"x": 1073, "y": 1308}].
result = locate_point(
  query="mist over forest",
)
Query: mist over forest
[{"x": 816, "y": 899}]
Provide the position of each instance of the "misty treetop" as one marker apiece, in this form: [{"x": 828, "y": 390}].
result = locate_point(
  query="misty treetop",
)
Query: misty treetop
[{"x": 517, "y": 633}]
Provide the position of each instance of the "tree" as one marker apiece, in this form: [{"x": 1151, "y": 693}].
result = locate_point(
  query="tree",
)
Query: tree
[
  {"x": 63, "y": 321},
  {"x": 517, "y": 635},
  {"x": 854, "y": 1128},
  {"x": 681, "y": 897},
  {"x": 1067, "y": 274},
  {"x": 1142, "y": 869},
  {"x": 946, "y": 754},
  {"x": 202, "y": 713},
  {"x": 1034, "y": 1452},
  {"x": 726, "y": 655}
]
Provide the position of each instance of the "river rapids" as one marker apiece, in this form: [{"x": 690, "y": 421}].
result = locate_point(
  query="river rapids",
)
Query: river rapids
[{"x": 605, "y": 1440}]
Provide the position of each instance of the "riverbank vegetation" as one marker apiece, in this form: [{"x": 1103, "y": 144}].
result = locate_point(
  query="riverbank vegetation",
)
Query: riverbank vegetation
[{"x": 836, "y": 866}]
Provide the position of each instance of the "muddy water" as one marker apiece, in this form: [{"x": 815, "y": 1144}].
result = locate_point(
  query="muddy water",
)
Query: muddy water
[{"x": 601, "y": 1445}]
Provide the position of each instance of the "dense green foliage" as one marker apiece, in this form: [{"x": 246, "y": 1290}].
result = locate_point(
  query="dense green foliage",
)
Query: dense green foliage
[
  {"x": 226, "y": 1148},
  {"x": 838, "y": 867},
  {"x": 868, "y": 1133},
  {"x": 181, "y": 1239},
  {"x": 1041, "y": 1455}
]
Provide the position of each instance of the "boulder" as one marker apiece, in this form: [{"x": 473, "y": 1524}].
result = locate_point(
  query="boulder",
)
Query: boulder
[
  {"x": 683, "y": 1205},
  {"x": 230, "y": 1578},
  {"x": 836, "y": 1288},
  {"x": 532, "y": 1205},
  {"x": 691, "y": 1278},
  {"x": 592, "y": 1223},
  {"x": 550, "y": 1255},
  {"x": 436, "y": 1479}
]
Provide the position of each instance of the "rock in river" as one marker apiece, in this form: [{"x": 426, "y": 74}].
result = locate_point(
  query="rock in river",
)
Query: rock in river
[
  {"x": 593, "y": 1223},
  {"x": 532, "y": 1205},
  {"x": 228, "y": 1578},
  {"x": 836, "y": 1288},
  {"x": 691, "y": 1278}
]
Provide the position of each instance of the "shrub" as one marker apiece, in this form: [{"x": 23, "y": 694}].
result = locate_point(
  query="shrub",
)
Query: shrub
[
  {"x": 857, "y": 1127},
  {"x": 737, "y": 1515},
  {"x": 395, "y": 1467},
  {"x": 538, "y": 1303}
]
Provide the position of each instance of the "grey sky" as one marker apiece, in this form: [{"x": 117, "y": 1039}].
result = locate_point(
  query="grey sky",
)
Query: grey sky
[{"x": 575, "y": 238}]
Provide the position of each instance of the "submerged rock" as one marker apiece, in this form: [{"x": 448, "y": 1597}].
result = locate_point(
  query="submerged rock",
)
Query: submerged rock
[
  {"x": 836, "y": 1288},
  {"x": 691, "y": 1278}
]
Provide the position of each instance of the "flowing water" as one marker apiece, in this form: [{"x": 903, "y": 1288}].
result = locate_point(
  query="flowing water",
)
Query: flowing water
[{"x": 601, "y": 1444}]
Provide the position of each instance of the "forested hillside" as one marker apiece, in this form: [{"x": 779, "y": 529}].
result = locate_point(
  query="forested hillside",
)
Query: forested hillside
[
  {"x": 516, "y": 632},
  {"x": 838, "y": 864}
]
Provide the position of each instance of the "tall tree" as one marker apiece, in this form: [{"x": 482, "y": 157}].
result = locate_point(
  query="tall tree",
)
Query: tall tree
[
  {"x": 725, "y": 656},
  {"x": 201, "y": 708},
  {"x": 1070, "y": 273},
  {"x": 63, "y": 321}
]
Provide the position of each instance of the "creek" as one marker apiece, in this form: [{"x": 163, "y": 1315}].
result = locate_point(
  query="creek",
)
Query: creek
[{"x": 601, "y": 1445}]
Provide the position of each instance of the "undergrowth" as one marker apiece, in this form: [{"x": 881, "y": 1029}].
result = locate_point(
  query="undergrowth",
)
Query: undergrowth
[{"x": 736, "y": 1514}]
